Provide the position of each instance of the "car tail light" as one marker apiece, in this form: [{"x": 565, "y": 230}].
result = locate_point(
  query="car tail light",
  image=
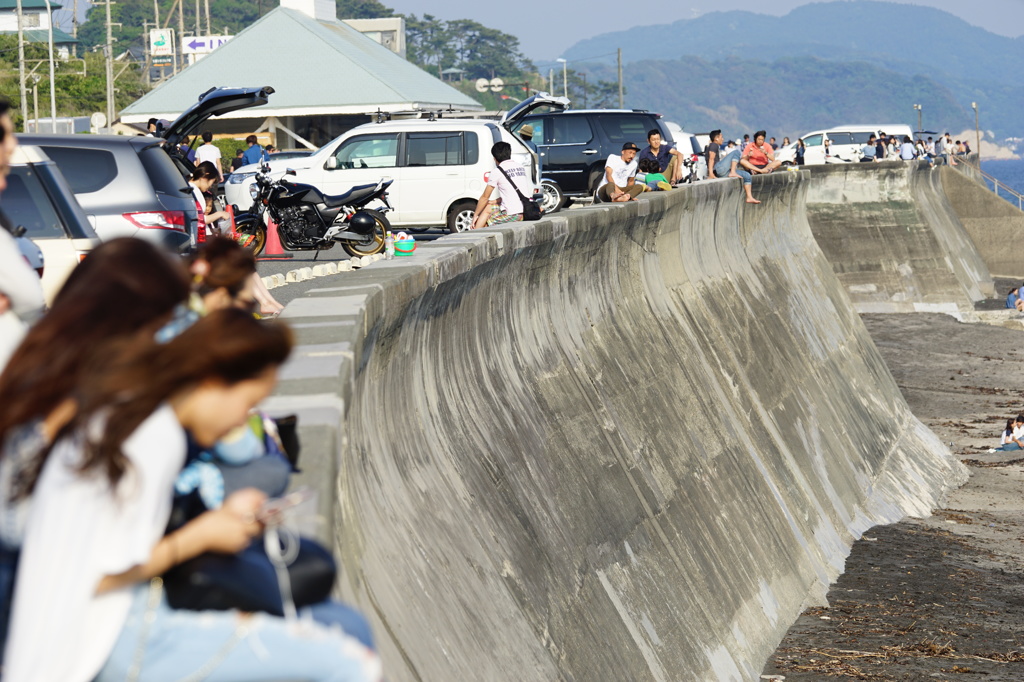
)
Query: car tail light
[
  {"x": 158, "y": 220},
  {"x": 200, "y": 223}
]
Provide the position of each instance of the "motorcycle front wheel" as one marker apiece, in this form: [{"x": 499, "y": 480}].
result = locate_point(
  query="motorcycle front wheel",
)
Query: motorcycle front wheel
[
  {"x": 374, "y": 243},
  {"x": 252, "y": 235}
]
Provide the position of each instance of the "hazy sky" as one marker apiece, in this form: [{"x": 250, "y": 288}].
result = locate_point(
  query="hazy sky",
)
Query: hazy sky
[{"x": 545, "y": 29}]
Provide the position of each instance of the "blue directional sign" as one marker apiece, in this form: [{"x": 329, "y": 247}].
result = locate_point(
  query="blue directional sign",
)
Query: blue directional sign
[{"x": 202, "y": 44}]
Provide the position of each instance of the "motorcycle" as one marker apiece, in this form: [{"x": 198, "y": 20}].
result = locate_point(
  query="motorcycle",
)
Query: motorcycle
[
  {"x": 309, "y": 220},
  {"x": 690, "y": 162}
]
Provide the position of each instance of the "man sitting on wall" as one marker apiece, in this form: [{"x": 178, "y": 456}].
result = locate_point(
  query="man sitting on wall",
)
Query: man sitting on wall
[
  {"x": 668, "y": 158},
  {"x": 619, "y": 180}
]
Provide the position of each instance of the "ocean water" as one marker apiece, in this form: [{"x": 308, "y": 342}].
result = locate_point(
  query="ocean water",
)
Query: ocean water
[{"x": 1009, "y": 172}]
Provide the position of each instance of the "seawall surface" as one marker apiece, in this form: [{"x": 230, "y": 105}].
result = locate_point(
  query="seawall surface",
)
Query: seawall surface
[
  {"x": 995, "y": 225},
  {"x": 893, "y": 239},
  {"x": 628, "y": 442}
]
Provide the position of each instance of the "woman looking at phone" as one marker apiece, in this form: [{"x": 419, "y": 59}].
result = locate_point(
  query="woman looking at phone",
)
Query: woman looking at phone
[{"x": 101, "y": 501}]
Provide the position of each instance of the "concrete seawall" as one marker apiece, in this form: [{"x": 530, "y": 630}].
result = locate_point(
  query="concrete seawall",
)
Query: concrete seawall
[
  {"x": 995, "y": 225},
  {"x": 893, "y": 239},
  {"x": 629, "y": 442}
]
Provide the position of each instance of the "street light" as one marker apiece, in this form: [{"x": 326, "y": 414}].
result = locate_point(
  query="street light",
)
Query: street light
[
  {"x": 565, "y": 78},
  {"x": 977, "y": 132},
  {"x": 917, "y": 107}
]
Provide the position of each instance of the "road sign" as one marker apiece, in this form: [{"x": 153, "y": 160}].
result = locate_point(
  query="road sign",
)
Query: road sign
[
  {"x": 161, "y": 42},
  {"x": 202, "y": 44},
  {"x": 496, "y": 84},
  {"x": 482, "y": 84},
  {"x": 163, "y": 61}
]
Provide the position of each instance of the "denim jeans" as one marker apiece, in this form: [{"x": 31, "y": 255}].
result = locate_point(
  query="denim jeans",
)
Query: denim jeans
[
  {"x": 228, "y": 649},
  {"x": 724, "y": 165}
]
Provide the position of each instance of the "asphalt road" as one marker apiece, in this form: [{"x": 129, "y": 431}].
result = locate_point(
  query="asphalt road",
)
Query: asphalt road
[{"x": 305, "y": 259}]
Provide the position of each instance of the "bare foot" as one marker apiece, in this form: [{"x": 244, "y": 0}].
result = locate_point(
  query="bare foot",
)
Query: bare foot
[
  {"x": 734, "y": 174},
  {"x": 752, "y": 200},
  {"x": 622, "y": 197}
]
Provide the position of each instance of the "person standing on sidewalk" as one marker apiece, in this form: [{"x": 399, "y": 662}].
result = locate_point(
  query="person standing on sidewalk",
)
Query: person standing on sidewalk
[
  {"x": 208, "y": 151},
  {"x": 255, "y": 153}
]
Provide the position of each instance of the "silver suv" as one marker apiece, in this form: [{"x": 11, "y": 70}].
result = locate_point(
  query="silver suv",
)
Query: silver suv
[{"x": 136, "y": 186}]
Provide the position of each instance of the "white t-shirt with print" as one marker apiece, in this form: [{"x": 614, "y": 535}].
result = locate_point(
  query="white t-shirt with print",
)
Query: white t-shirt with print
[
  {"x": 621, "y": 171},
  {"x": 510, "y": 200}
]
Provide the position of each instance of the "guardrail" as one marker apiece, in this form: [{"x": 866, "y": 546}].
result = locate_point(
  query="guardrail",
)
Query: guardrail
[{"x": 997, "y": 184}]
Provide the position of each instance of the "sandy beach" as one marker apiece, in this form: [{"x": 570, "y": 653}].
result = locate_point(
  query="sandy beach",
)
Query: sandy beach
[{"x": 938, "y": 598}]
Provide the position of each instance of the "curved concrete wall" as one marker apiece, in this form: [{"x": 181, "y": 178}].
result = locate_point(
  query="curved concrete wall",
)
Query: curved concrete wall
[
  {"x": 893, "y": 239},
  {"x": 628, "y": 442},
  {"x": 995, "y": 225}
]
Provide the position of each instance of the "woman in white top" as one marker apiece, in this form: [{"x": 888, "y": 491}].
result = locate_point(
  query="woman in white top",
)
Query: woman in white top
[{"x": 94, "y": 536}]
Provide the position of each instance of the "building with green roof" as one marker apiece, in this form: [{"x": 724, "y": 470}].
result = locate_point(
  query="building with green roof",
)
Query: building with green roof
[
  {"x": 35, "y": 23},
  {"x": 327, "y": 76}
]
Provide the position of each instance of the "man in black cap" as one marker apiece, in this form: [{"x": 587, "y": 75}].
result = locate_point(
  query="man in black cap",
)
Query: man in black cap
[{"x": 619, "y": 180}]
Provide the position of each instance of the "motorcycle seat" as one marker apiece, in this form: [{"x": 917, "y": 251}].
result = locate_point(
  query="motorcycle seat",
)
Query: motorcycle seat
[{"x": 353, "y": 196}]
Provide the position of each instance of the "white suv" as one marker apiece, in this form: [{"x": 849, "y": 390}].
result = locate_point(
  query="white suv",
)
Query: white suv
[{"x": 439, "y": 165}]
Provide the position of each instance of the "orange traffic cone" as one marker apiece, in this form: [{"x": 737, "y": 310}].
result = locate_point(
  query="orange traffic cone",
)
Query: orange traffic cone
[{"x": 272, "y": 250}]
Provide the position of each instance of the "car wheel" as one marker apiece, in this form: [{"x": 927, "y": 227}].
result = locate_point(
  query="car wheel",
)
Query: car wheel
[
  {"x": 553, "y": 197},
  {"x": 460, "y": 217},
  {"x": 374, "y": 243}
]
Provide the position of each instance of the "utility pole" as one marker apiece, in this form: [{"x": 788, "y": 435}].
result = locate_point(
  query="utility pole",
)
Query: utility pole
[
  {"x": 622, "y": 100},
  {"x": 21, "y": 68},
  {"x": 74, "y": 28},
  {"x": 977, "y": 132},
  {"x": 584, "y": 90},
  {"x": 181, "y": 34},
  {"x": 110, "y": 68},
  {"x": 198, "y": 15},
  {"x": 209, "y": 30}
]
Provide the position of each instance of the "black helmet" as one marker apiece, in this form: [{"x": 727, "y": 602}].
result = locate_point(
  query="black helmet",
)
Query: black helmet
[{"x": 363, "y": 223}]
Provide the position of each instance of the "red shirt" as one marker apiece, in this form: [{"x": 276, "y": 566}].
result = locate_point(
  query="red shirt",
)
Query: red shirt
[{"x": 756, "y": 155}]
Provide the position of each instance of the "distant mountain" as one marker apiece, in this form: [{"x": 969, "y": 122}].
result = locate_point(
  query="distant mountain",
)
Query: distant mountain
[{"x": 908, "y": 48}]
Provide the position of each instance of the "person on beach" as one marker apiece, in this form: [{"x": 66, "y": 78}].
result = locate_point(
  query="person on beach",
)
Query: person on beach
[
  {"x": 508, "y": 207},
  {"x": 867, "y": 152},
  {"x": 728, "y": 165},
  {"x": 1013, "y": 435},
  {"x": 907, "y": 151}
]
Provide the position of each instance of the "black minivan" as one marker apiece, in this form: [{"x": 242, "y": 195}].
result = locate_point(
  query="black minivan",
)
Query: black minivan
[
  {"x": 135, "y": 186},
  {"x": 575, "y": 144}
]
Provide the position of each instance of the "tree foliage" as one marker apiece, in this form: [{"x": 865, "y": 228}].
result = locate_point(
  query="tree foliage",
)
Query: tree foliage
[
  {"x": 482, "y": 52},
  {"x": 80, "y": 83},
  {"x": 231, "y": 16}
]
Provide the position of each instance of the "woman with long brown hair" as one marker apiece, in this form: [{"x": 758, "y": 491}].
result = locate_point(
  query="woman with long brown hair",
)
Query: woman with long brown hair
[
  {"x": 124, "y": 286},
  {"x": 100, "y": 506}
]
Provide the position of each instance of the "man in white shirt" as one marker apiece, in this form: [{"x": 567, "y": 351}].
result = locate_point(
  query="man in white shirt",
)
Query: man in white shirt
[
  {"x": 508, "y": 207},
  {"x": 208, "y": 151},
  {"x": 619, "y": 180}
]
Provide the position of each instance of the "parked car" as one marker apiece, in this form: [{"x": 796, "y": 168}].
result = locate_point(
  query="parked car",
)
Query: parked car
[
  {"x": 41, "y": 207},
  {"x": 575, "y": 145},
  {"x": 136, "y": 186},
  {"x": 439, "y": 165},
  {"x": 846, "y": 142}
]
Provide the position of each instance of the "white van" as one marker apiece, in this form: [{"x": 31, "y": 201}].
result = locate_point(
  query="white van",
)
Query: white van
[
  {"x": 846, "y": 142},
  {"x": 439, "y": 165}
]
